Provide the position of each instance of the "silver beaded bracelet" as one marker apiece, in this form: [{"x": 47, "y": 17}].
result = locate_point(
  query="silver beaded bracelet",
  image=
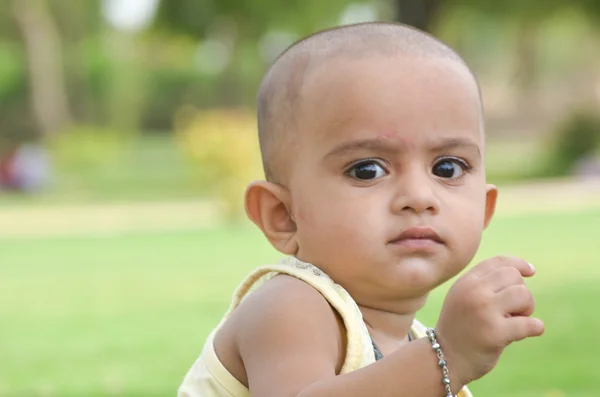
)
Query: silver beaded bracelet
[{"x": 441, "y": 361}]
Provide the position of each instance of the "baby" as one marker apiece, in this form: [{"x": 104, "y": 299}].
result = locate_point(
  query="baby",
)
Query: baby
[{"x": 372, "y": 139}]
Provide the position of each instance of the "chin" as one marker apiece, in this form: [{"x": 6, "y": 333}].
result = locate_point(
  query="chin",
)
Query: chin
[{"x": 419, "y": 275}]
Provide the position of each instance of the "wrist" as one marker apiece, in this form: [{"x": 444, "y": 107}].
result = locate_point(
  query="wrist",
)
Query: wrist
[{"x": 450, "y": 377}]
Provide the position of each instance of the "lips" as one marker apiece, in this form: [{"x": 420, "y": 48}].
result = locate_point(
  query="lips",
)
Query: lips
[{"x": 418, "y": 233}]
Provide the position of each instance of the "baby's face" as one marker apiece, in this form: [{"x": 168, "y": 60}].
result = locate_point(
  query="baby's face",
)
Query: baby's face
[{"x": 388, "y": 146}]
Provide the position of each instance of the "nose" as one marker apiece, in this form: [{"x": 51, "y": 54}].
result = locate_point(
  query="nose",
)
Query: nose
[{"x": 415, "y": 193}]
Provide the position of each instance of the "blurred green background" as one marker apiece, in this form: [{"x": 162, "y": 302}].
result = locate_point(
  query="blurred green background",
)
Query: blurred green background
[{"x": 127, "y": 135}]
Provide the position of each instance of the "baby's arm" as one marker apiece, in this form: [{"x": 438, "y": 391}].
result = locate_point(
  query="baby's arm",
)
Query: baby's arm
[{"x": 291, "y": 342}]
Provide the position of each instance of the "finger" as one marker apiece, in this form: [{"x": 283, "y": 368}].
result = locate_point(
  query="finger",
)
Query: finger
[
  {"x": 521, "y": 327},
  {"x": 485, "y": 267},
  {"x": 516, "y": 300},
  {"x": 503, "y": 277}
]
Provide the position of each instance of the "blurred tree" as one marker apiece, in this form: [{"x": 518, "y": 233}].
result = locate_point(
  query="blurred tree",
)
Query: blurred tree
[
  {"x": 239, "y": 36},
  {"x": 527, "y": 17},
  {"x": 43, "y": 48},
  {"x": 252, "y": 19},
  {"x": 80, "y": 26},
  {"x": 424, "y": 14},
  {"x": 235, "y": 38},
  {"x": 418, "y": 13}
]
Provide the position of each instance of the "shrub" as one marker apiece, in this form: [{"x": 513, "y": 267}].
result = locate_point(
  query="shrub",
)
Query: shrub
[
  {"x": 223, "y": 146},
  {"x": 575, "y": 138},
  {"x": 82, "y": 147}
]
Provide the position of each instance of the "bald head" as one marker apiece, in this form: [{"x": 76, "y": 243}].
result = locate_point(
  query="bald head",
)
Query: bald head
[{"x": 281, "y": 91}]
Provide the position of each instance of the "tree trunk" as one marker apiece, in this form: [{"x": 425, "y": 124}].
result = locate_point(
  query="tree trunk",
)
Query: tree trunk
[
  {"x": 41, "y": 39},
  {"x": 418, "y": 13},
  {"x": 526, "y": 67}
]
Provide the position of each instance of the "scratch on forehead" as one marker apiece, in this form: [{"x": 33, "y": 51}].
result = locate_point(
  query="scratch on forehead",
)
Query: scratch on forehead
[{"x": 395, "y": 137}]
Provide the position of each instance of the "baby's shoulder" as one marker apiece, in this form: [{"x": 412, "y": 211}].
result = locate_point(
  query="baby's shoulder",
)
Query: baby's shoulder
[
  {"x": 282, "y": 313},
  {"x": 281, "y": 301}
]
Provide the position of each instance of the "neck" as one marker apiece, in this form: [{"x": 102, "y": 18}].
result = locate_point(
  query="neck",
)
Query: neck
[{"x": 391, "y": 324}]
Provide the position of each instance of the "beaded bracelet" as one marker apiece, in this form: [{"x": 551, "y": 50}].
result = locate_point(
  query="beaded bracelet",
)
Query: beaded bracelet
[{"x": 441, "y": 361}]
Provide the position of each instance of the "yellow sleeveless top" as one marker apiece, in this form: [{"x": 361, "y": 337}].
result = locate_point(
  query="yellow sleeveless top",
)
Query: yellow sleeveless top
[{"x": 209, "y": 378}]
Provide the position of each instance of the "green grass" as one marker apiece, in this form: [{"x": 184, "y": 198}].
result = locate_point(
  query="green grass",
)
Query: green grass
[{"x": 127, "y": 315}]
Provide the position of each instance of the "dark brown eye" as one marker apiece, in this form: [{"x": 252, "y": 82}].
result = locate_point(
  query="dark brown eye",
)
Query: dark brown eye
[
  {"x": 366, "y": 171},
  {"x": 449, "y": 169}
]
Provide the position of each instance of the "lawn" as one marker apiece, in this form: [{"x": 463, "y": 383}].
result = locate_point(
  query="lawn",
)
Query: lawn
[{"x": 126, "y": 315}]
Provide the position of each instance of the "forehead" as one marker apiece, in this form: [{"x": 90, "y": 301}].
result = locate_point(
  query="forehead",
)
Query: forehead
[{"x": 402, "y": 96}]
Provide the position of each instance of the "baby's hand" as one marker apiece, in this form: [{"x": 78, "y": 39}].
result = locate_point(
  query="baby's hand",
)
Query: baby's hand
[{"x": 487, "y": 308}]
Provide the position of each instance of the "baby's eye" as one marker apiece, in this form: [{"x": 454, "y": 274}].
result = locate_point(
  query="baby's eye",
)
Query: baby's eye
[
  {"x": 367, "y": 170},
  {"x": 450, "y": 168}
]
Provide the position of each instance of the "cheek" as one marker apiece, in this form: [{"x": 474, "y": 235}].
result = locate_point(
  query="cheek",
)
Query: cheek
[
  {"x": 344, "y": 219},
  {"x": 466, "y": 223},
  {"x": 317, "y": 218}
]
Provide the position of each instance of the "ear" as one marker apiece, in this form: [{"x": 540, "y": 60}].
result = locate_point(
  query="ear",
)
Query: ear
[
  {"x": 491, "y": 196},
  {"x": 268, "y": 206}
]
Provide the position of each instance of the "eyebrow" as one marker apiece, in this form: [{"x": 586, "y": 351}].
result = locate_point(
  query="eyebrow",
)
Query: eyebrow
[
  {"x": 381, "y": 145},
  {"x": 454, "y": 143},
  {"x": 375, "y": 144}
]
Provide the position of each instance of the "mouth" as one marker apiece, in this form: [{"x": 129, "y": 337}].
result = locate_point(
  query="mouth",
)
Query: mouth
[{"x": 418, "y": 235}]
